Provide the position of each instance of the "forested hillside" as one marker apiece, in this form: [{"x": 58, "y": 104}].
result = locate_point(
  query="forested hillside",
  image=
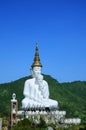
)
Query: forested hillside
[{"x": 70, "y": 96}]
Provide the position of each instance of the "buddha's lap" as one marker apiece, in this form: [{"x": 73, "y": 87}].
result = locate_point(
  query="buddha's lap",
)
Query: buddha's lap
[{"x": 33, "y": 103}]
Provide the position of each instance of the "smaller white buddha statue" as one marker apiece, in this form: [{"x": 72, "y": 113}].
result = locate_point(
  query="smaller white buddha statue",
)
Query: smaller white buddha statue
[{"x": 36, "y": 90}]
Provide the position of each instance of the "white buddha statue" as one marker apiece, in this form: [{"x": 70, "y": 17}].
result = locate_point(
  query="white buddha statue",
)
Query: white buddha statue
[{"x": 36, "y": 90}]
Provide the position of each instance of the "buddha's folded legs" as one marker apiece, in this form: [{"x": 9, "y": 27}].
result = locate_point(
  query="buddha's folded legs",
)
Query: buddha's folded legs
[
  {"x": 50, "y": 103},
  {"x": 29, "y": 103}
]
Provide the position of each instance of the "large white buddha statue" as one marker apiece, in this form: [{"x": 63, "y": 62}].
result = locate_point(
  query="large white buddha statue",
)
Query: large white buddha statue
[{"x": 36, "y": 90}]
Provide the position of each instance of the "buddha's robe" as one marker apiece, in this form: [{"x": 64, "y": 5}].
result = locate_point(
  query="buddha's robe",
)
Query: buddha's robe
[{"x": 36, "y": 96}]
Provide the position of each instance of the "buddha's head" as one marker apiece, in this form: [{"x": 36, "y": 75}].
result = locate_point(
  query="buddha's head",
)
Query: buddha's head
[{"x": 36, "y": 71}]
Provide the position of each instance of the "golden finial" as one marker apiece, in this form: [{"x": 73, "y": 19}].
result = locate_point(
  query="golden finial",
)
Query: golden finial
[{"x": 36, "y": 58}]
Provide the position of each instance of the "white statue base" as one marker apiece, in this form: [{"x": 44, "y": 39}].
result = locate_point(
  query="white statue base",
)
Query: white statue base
[{"x": 48, "y": 116}]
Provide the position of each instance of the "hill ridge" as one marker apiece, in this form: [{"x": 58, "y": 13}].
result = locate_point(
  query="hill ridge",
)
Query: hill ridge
[{"x": 70, "y": 96}]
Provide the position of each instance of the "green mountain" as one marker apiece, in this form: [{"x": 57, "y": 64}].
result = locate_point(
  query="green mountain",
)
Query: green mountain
[{"x": 70, "y": 96}]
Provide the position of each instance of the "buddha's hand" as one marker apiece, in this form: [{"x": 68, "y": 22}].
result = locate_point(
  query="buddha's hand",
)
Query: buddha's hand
[{"x": 40, "y": 80}]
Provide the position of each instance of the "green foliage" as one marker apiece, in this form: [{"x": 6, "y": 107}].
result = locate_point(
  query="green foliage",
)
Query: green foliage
[
  {"x": 4, "y": 122},
  {"x": 71, "y": 97},
  {"x": 42, "y": 124},
  {"x": 28, "y": 125}
]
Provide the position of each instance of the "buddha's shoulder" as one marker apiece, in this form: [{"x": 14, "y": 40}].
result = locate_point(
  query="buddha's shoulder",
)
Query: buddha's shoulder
[{"x": 29, "y": 81}]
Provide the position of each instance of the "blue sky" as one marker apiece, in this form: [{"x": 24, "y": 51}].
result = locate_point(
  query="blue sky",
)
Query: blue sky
[{"x": 59, "y": 27}]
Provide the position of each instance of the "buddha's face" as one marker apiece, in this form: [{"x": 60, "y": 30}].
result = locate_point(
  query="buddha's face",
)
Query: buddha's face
[{"x": 36, "y": 71}]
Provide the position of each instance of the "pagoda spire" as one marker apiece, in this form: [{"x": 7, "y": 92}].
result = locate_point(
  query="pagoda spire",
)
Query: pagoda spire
[{"x": 36, "y": 58}]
